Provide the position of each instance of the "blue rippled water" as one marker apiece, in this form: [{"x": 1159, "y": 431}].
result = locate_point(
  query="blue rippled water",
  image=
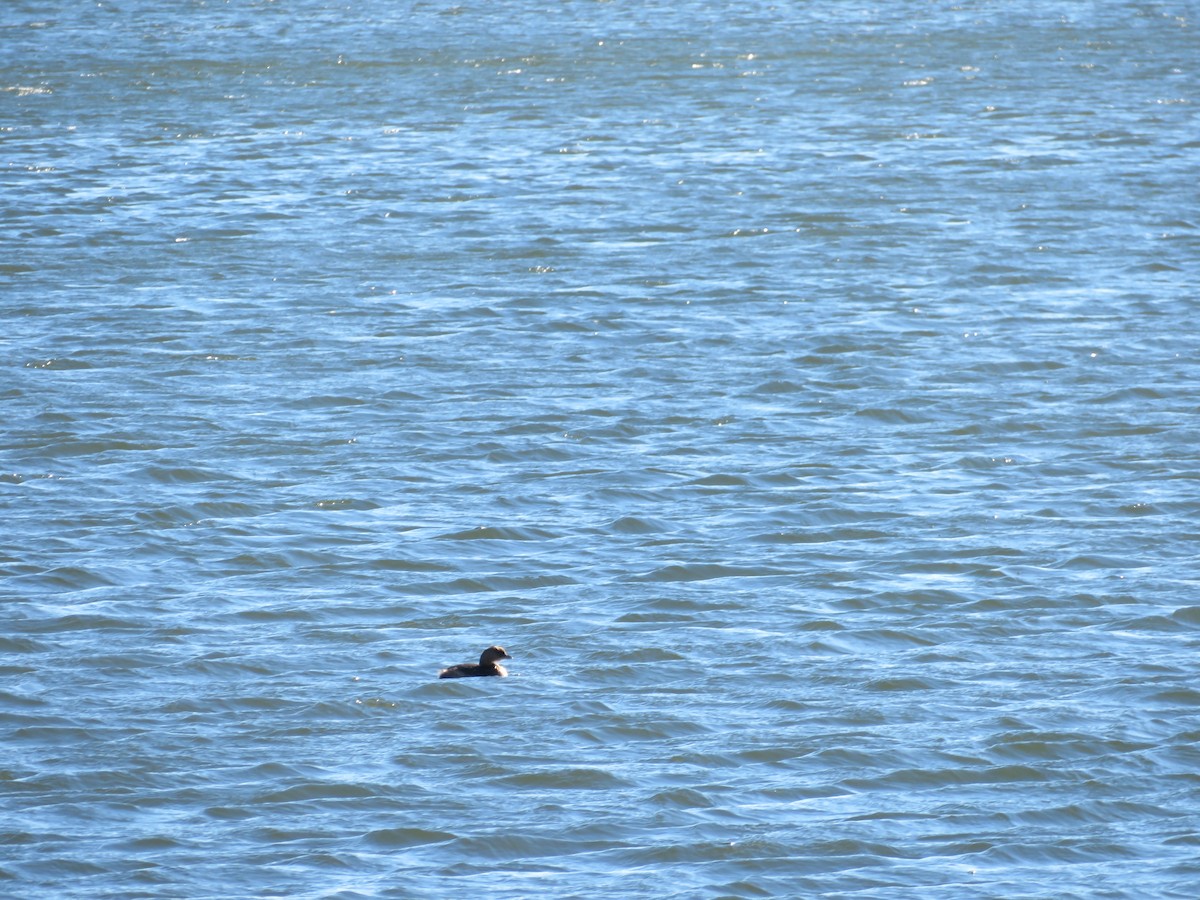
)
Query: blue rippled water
[{"x": 804, "y": 395}]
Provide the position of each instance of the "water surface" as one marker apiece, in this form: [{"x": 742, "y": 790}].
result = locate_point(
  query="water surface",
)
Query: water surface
[{"x": 805, "y": 396}]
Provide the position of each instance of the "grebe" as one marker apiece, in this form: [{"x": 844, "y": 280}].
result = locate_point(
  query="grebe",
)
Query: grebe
[{"x": 487, "y": 665}]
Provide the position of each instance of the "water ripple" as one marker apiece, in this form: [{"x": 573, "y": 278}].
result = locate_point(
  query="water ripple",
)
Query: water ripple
[{"x": 774, "y": 383}]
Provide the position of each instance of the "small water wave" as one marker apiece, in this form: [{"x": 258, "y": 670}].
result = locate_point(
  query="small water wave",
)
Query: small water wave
[
  {"x": 177, "y": 516},
  {"x": 498, "y": 533},
  {"x": 59, "y": 364},
  {"x": 15, "y": 645},
  {"x": 403, "y": 838},
  {"x": 565, "y": 779},
  {"x": 317, "y": 791},
  {"x": 821, "y": 536},
  {"x": 179, "y": 474},
  {"x": 637, "y": 525},
  {"x": 324, "y": 402},
  {"x": 487, "y": 584},
  {"x": 91, "y": 623},
  {"x": 707, "y": 572}
]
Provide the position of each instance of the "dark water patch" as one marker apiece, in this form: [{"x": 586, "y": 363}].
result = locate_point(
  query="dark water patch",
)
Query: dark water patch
[
  {"x": 123, "y": 663},
  {"x": 434, "y": 624},
  {"x": 707, "y": 572},
  {"x": 486, "y": 585},
  {"x": 919, "y": 566},
  {"x": 1064, "y": 851},
  {"x": 180, "y": 516},
  {"x": 64, "y": 446},
  {"x": 298, "y": 837},
  {"x": 1044, "y": 746},
  {"x": 171, "y": 475},
  {"x": 554, "y": 426},
  {"x": 1155, "y": 623},
  {"x": 613, "y": 734},
  {"x": 709, "y": 852},
  {"x": 1176, "y": 697},
  {"x": 1188, "y": 615},
  {"x": 581, "y": 473},
  {"x": 637, "y": 525},
  {"x": 344, "y": 503},
  {"x": 788, "y": 705},
  {"x": 778, "y": 386},
  {"x": 631, "y": 727},
  {"x": 894, "y": 816},
  {"x": 820, "y": 536},
  {"x": 318, "y": 791},
  {"x": 688, "y": 601},
  {"x": 721, "y": 480},
  {"x": 1153, "y": 267},
  {"x": 520, "y": 847},
  {"x": 462, "y": 687},
  {"x": 1091, "y": 431},
  {"x": 150, "y": 844},
  {"x": 702, "y": 760},
  {"x": 565, "y": 779},
  {"x": 228, "y": 704},
  {"x": 607, "y": 675},
  {"x": 1128, "y": 395},
  {"x": 644, "y": 655},
  {"x": 934, "y": 778},
  {"x": 1018, "y": 367},
  {"x": 229, "y": 813},
  {"x": 681, "y": 798},
  {"x": 409, "y": 565},
  {"x": 80, "y": 622},
  {"x": 264, "y": 561},
  {"x": 634, "y": 618},
  {"x": 51, "y": 735},
  {"x": 1094, "y": 562},
  {"x": 1184, "y": 840},
  {"x": 822, "y": 513},
  {"x": 905, "y": 684},
  {"x": 328, "y": 711},
  {"x": 986, "y": 552},
  {"x": 1080, "y": 602},
  {"x": 57, "y": 867},
  {"x": 400, "y": 838},
  {"x": 324, "y": 401},
  {"x": 774, "y": 756},
  {"x": 921, "y": 599},
  {"x": 355, "y": 637},
  {"x": 893, "y": 416},
  {"x": 859, "y": 640},
  {"x": 21, "y": 645},
  {"x": 8, "y": 698},
  {"x": 821, "y": 625},
  {"x": 531, "y": 454},
  {"x": 59, "y": 364},
  {"x": 498, "y": 533},
  {"x": 221, "y": 665},
  {"x": 1098, "y": 812},
  {"x": 783, "y": 480},
  {"x": 280, "y": 615},
  {"x": 1139, "y": 509}
]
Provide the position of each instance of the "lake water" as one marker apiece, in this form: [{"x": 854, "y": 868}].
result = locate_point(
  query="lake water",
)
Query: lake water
[{"x": 806, "y": 396}]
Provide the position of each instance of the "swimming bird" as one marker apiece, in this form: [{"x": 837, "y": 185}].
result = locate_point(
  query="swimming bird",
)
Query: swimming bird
[{"x": 487, "y": 665}]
